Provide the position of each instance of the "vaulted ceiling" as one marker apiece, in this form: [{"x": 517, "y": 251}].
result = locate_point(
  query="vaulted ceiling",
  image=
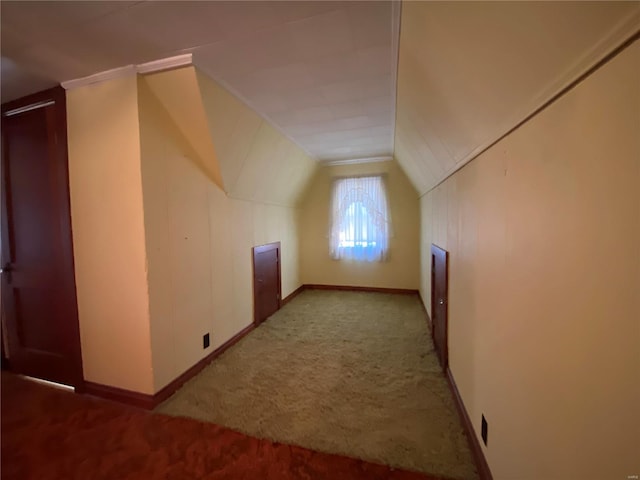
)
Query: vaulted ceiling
[
  {"x": 325, "y": 73},
  {"x": 470, "y": 71}
]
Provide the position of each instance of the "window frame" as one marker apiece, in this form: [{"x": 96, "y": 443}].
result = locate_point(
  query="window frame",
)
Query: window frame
[{"x": 369, "y": 245}]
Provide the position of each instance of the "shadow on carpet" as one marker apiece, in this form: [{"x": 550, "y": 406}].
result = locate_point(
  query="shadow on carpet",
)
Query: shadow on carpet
[
  {"x": 349, "y": 373},
  {"x": 50, "y": 434}
]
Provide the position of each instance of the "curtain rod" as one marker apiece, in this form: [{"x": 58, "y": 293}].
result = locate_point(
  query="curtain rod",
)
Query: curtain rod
[{"x": 361, "y": 175}]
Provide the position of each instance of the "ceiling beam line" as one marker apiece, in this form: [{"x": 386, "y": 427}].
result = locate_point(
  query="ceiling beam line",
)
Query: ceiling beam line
[
  {"x": 563, "y": 91},
  {"x": 154, "y": 66}
]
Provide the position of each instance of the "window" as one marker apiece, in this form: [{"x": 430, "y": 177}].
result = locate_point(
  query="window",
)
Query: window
[{"x": 359, "y": 219}]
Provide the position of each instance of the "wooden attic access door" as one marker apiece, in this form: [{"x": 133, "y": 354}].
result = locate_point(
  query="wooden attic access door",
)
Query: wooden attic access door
[
  {"x": 38, "y": 282},
  {"x": 266, "y": 281},
  {"x": 440, "y": 303}
]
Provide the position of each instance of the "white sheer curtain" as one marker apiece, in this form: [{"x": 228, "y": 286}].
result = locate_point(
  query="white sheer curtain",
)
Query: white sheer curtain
[{"x": 359, "y": 219}]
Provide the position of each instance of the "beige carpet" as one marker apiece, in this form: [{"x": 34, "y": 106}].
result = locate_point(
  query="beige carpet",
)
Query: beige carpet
[{"x": 352, "y": 373}]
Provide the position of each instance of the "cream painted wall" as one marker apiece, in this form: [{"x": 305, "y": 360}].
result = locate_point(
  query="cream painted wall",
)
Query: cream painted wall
[
  {"x": 401, "y": 268},
  {"x": 469, "y": 71},
  {"x": 162, "y": 254},
  {"x": 199, "y": 247},
  {"x": 241, "y": 152},
  {"x": 544, "y": 235},
  {"x": 108, "y": 234},
  {"x": 179, "y": 94},
  {"x": 258, "y": 163}
]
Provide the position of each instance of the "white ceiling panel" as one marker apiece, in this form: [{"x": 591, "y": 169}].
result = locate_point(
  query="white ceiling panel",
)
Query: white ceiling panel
[
  {"x": 370, "y": 25},
  {"x": 171, "y": 28},
  {"x": 322, "y": 35},
  {"x": 335, "y": 65},
  {"x": 302, "y": 98},
  {"x": 308, "y": 67},
  {"x": 470, "y": 71},
  {"x": 351, "y": 108},
  {"x": 324, "y": 73},
  {"x": 37, "y": 20}
]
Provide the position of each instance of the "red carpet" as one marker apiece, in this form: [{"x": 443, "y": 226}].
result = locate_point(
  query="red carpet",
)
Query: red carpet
[{"x": 49, "y": 433}]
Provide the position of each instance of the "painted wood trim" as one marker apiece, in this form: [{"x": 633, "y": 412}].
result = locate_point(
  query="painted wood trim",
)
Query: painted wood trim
[
  {"x": 439, "y": 253},
  {"x": 254, "y": 253},
  {"x": 355, "y": 161},
  {"x": 352, "y": 288},
  {"x": 149, "y": 402},
  {"x": 172, "y": 387},
  {"x": 292, "y": 295},
  {"x": 154, "y": 66},
  {"x": 168, "y": 63},
  {"x": 476, "y": 449},
  {"x": 56, "y": 96},
  {"x": 481, "y": 149},
  {"x": 120, "y": 395},
  {"x": 424, "y": 310},
  {"x": 266, "y": 247},
  {"x": 120, "y": 72}
]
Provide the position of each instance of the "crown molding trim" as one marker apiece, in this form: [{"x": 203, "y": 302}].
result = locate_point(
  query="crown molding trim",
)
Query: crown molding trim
[
  {"x": 396, "y": 20},
  {"x": 129, "y": 70},
  {"x": 166, "y": 63},
  {"x": 354, "y": 161},
  {"x": 100, "y": 77}
]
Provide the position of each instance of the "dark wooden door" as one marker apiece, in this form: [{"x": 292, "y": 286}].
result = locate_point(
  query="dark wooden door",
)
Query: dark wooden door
[
  {"x": 38, "y": 282},
  {"x": 439, "y": 302},
  {"x": 266, "y": 281}
]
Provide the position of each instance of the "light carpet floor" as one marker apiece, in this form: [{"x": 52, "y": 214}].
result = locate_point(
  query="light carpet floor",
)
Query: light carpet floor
[{"x": 352, "y": 373}]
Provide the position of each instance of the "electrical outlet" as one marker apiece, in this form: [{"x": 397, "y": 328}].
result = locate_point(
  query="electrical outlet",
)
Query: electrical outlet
[
  {"x": 205, "y": 340},
  {"x": 485, "y": 430}
]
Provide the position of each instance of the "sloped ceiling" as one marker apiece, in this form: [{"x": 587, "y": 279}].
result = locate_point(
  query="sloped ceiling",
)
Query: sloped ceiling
[
  {"x": 241, "y": 152},
  {"x": 257, "y": 162},
  {"x": 177, "y": 90},
  {"x": 324, "y": 73},
  {"x": 470, "y": 71}
]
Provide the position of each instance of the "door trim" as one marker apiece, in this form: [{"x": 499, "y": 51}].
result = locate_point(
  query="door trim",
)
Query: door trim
[
  {"x": 57, "y": 96},
  {"x": 436, "y": 251},
  {"x": 254, "y": 252},
  {"x": 470, "y": 433}
]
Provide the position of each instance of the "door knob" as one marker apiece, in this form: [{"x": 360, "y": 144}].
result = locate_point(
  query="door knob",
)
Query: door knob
[
  {"x": 441, "y": 302},
  {"x": 6, "y": 272}
]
